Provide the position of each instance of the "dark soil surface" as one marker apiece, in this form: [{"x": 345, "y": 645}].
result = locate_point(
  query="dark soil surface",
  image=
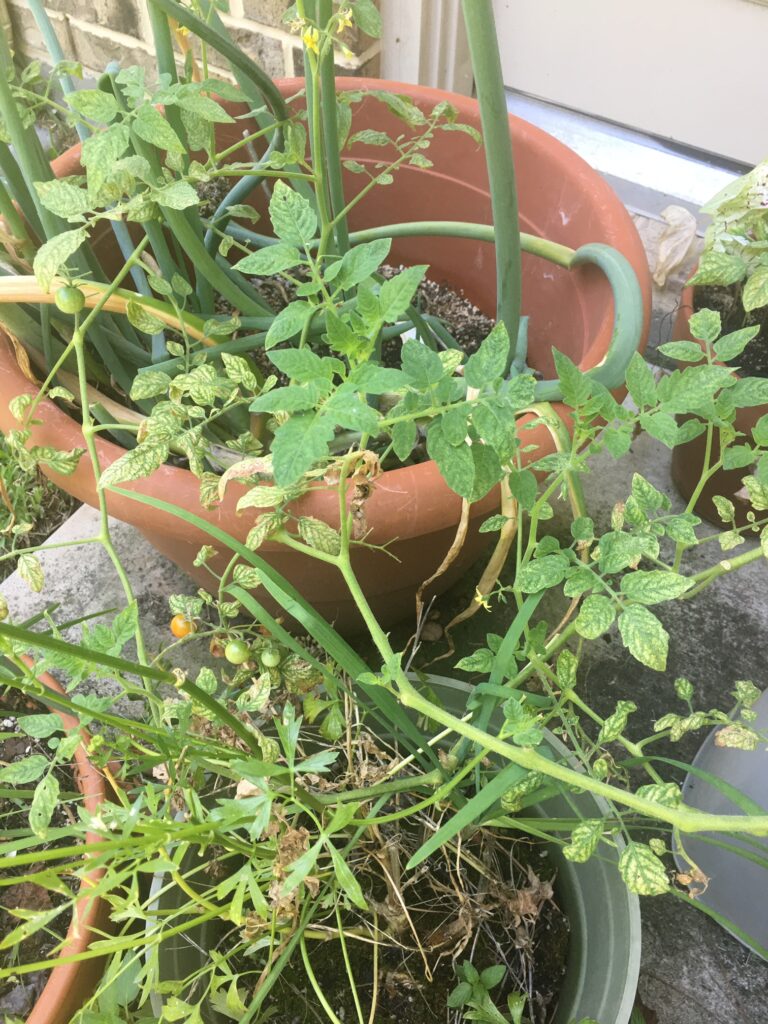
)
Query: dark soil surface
[
  {"x": 499, "y": 911},
  {"x": 468, "y": 325},
  {"x": 753, "y": 362},
  {"x": 18, "y": 995},
  {"x": 464, "y": 320},
  {"x": 211, "y": 194}
]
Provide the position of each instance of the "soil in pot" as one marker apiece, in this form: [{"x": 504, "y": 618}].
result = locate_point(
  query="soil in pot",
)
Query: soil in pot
[
  {"x": 463, "y": 319},
  {"x": 491, "y": 904},
  {"x": 753, "y": 362},
  {"x": 18, "y": 995}
]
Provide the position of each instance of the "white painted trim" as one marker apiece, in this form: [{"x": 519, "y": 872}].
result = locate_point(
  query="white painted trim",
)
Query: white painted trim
[
  {"x": 628, "y": 155},
  {"x": 424, "y": 42}
]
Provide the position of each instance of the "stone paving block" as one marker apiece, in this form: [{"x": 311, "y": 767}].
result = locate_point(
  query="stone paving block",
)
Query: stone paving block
[{"x": 82, "y": 581}]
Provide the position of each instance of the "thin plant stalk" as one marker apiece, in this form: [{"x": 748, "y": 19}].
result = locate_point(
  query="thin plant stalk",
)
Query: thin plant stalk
[
  {"x": 489, "y": 83},
  {"x": 28, "y": 151},
  {"x": 330, "y": 122}
]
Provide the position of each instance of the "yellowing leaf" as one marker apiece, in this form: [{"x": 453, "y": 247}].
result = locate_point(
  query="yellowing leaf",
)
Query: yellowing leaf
[
  {"x": 644, "y": 636},
  {"x": 643, "y": 872},
  {"x": 136, "y": 464},
  {"x": 584, "y": 841},
  {"x": 31, "y": 572},
  {"x": 595, "y": 616},
  {"x": 150, "y": 125},
  {"x": 654, "y": 586},
  {"x": 52, "y": 256}
]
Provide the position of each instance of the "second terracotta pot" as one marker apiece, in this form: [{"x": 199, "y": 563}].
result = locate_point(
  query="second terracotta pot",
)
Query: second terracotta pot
[
  {"x": 411, "y": 509},
  {"x": 70, "y": 984}
]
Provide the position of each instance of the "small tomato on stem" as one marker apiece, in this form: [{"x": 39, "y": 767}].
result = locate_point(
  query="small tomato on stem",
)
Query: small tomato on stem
[
  {"x": 69, "y": 299},
  {"x": 270, "y": 658},
  {"x": 181, "y": 626},
  {"x": 237, "y": 652}
]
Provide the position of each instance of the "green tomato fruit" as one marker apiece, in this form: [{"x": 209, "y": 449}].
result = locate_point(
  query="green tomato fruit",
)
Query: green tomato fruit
[
  {"x": 69, "y": 299},
  {"x": 270, "y": 658},
  {"x": 237, "y": 652}
]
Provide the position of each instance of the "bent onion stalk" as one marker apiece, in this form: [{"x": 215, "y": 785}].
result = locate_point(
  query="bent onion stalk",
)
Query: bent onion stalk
[{"x": 26, "y": 289}]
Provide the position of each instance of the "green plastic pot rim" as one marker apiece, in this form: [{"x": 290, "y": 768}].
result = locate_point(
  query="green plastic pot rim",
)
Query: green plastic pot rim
[{"x": 579, "y": 976}]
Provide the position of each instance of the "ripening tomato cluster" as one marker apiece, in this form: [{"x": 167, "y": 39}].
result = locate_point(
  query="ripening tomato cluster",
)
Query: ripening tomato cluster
[{"x": 236, "y": 651}]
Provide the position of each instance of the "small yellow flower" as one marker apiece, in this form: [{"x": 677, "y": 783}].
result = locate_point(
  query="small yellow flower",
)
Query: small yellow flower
[
  {"x": 482, "y": 600},
  {"x": 345, "y": 19},
  {"x": 311, "y": 39}
]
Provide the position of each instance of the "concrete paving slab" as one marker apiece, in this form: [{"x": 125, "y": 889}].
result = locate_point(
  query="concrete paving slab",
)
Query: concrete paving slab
[{"x": 81, "y": 581}]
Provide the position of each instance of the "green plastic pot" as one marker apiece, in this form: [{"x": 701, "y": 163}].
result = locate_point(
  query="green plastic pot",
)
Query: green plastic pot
[{"x": 604, "y": 948}]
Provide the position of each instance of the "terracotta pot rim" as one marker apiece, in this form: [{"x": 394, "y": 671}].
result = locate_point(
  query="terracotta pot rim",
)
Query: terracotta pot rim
[
  {"x": 557, "y": 152},
  {"x": 422, "y": 475},
  {"x": 88, "y": 913}
]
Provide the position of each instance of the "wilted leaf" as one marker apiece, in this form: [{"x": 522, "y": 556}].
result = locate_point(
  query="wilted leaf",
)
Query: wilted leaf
[
  {"x": 584, "y": 841},
  {"x": 615, "y": 724}
]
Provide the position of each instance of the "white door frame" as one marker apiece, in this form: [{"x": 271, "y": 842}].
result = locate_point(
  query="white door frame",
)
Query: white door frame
[{"x": 424, "y": 43}]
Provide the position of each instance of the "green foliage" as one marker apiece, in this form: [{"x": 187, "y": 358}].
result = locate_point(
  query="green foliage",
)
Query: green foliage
[
  {"x": 256, "y": 792},
  {"x": 735, "y": 242},
  {"x": 474, "y": 992},
  {"x": 31, "y": 507}
]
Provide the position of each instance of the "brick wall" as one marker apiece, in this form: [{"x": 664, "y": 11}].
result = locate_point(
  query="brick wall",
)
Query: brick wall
[{"x": 96, "y": 32}]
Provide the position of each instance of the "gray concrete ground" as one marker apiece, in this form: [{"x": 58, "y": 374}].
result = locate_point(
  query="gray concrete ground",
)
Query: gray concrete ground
[{"x": 692, "y": 970}]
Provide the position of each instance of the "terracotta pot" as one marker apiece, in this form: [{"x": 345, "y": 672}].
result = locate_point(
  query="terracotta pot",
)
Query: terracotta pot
[
  {"x": 688, "y": 459},
  {"x": 69, "y": 985},
  {"x": 561, "y": 198}
]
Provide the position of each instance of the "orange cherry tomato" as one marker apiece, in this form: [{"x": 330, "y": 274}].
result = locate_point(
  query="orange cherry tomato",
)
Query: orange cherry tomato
[{"x": 181, "y": 626}]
